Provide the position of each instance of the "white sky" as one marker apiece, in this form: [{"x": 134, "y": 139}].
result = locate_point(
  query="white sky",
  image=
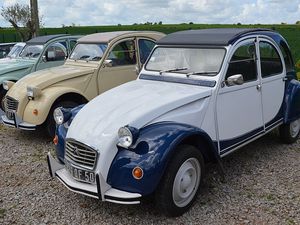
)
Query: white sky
[{"x": 105, "y": 12}]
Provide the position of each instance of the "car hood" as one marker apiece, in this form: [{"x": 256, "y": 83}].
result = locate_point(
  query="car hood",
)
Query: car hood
[
  {"x": 11, "y": 65},
  {"x": 136, "y": 103},
  {"x": 45, "y": 78}
]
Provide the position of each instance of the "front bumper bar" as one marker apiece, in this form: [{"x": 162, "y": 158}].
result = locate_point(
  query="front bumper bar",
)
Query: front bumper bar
[
  {"x": 18, "y": 123},
  {"x": 58, "y": 170}
]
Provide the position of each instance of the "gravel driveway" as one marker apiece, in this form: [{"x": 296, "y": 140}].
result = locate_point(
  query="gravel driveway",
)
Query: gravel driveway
[{"x": 262, "y": 187}]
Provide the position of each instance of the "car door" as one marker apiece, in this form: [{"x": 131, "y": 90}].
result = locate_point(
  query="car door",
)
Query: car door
[
  {"x": 122, "y": 67},
  {"x": 239, "y": 107},
  {"x": 145, "y": 47},
  {"x": 273, "y": 84},
  {"x": 54, "y": 55}
]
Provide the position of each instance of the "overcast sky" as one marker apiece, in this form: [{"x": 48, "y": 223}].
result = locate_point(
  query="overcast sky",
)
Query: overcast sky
[{"x": 106, "y": 12}]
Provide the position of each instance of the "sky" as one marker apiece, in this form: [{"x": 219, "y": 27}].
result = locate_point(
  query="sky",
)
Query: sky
[{"x": 107, "y": 12}]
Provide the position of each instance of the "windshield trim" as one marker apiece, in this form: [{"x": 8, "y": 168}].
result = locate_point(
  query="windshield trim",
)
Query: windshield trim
[{"x": 192, "y": 47}]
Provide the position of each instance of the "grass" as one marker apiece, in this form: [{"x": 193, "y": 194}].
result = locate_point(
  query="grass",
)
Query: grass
[{"x": 290, "y": 32}]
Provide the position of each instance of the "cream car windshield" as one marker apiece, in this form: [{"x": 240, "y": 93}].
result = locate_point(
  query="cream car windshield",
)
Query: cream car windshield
[
  {"x": 189, "y": 61},
  {"x": 88, "y": 52},
  {"x": 31, "y": 51}
]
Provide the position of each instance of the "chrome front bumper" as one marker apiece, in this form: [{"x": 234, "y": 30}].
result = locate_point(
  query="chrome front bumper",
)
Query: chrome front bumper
[
  {"x": 17, "y": 122},
  {"x": 58, "y": 170}
]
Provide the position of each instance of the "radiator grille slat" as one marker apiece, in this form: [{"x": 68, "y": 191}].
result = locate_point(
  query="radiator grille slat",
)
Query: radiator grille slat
[{"x": 11, "y": 105}]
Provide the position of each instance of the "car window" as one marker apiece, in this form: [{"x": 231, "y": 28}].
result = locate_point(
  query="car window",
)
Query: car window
[
  {"x": 72, "y": 44},
  {"x": 287, "y": 57},
  {"x": 145, "y": 47},
  {"x": 31, "y": 51},
  {"x": 269, "y": 59},
  {"x": 243, "y": 62},
  {"x": 56, "y": 51},
  {"x": 123, "y": 54}
]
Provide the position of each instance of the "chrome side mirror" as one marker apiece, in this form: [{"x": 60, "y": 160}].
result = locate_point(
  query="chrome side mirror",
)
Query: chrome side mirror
[
  {"x": 44, "y": 59},
  {"x": 108, "y": 63},
  {"x": 235, "y": 80}
]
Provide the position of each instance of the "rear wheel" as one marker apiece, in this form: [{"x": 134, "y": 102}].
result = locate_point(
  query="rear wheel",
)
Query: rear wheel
[
  {"x": 289, "y": 133},
  {"x": 180, "y": 184},
  {"x": 50, "y": 124}
]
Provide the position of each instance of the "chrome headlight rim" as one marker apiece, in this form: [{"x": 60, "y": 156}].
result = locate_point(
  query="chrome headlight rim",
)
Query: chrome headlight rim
[
  {"x": 127, "y": 136},
  {"x": 61, "y": 115},
  {"x": 33, "y": 92},
  {"x": 5, "y": 85}
]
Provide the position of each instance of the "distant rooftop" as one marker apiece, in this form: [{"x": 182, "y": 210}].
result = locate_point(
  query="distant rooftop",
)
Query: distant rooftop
[{"x": 220, "y": 37}]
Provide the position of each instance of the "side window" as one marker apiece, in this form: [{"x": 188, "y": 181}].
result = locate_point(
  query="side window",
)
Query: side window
[
  {"x": 145, "y": 47},
  {"x": 72, "y": 44},
  {"x": 243, "y": 62},
  {"x": 289, "y": 65},
  {"x": 269, "y": 59},
  {"x": 123, "y": 53},
  {"x": 56, "y": 51}
]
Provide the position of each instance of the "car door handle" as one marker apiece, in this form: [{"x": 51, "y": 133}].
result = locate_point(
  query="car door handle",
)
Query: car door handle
[{"x": 258, "y": 87}]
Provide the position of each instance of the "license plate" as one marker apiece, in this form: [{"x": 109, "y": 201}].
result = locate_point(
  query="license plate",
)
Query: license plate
[{"x": 79, "y": 174}]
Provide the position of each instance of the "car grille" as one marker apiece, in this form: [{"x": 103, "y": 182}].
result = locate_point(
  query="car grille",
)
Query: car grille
[
  {"x": 11, "y": 105},
  {"x": 80, "y": 154}
]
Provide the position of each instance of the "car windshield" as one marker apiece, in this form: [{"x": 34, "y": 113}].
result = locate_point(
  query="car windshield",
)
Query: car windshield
[
  {"x": 189, "y": 61},
  {"x": 31, "y": 51},
  {"x": 15, "y": 51},
  {"x": 88, "y": 52}
]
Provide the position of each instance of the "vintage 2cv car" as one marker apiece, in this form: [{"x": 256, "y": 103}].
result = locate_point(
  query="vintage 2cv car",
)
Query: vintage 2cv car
[
  {"x": 39, "y": 53},
  {"x": 98, "y": 62},
  {"x": 201, "y": 95}
]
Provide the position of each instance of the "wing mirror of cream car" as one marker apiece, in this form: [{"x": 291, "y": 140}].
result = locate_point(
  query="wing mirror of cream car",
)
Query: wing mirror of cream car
[
  {"x": 107, "y": 63},
  {"x": 236, "y": 79},
  {"x": 7, "y": 85}
]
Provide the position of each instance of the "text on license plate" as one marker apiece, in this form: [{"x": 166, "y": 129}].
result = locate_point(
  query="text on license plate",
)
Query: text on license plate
[{"x": 81, "y": 175}]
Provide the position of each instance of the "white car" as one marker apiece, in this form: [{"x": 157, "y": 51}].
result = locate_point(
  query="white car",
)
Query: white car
[{"x": 201, "y": 95}]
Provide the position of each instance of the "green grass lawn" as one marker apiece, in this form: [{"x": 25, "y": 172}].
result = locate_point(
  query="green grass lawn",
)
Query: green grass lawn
[{"x": 290, "y": 32}]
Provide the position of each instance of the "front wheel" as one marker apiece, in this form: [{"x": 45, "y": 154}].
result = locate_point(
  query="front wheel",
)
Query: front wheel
[
  {"x": 289, "y": 133},
  {"x": 180, "y": 184},
  {"x": 50, "y": 124}
]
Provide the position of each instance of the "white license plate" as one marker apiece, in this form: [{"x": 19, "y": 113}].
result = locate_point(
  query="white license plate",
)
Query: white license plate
[{"x": 80, "y": 174}]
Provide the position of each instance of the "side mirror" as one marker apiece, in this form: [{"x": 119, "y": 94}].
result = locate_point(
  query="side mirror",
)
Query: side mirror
[
  {"x": 235, "y": 80},
  {"x": 108, "y": 63},
  {"x": 44, "y": 58}
]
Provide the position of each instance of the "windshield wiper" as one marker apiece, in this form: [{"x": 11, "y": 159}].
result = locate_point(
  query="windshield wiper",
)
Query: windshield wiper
[
  {"x": 172, "y": 70},
  {"x": 201, "y": 73}
]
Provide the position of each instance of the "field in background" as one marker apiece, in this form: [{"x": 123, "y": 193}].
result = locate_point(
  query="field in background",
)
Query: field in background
[{"x": 290, "y": 32}]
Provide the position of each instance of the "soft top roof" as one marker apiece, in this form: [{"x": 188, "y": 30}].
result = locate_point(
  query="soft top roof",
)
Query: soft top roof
[
  {"x": 220, "y": 37},
  {"x": 44, "y": 39}
]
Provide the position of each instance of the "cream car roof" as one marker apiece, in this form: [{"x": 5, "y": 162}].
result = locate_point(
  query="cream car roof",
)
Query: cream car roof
[{"x": 107, "y": 37}]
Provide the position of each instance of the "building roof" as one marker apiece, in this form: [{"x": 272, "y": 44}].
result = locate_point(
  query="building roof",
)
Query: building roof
[
  {"x": 44, "y": 39},
  {"x": 220, "y": 37},
  {"x": 103, "y": 37}
]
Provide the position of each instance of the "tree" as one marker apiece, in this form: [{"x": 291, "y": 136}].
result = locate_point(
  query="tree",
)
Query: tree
[{"x": 19, "y": 16}]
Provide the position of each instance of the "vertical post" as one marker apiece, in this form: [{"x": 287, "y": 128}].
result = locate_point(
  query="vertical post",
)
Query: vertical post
[{"x": 35, "y": 17}]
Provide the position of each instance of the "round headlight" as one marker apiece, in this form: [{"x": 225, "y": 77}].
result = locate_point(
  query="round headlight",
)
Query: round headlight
[
  {"x": 125, "y": 137},
  {"x": 58, "y": 116}
]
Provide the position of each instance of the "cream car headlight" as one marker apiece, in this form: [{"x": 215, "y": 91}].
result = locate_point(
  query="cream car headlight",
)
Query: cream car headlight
[
  {"x": 33, "y": 92},
  {"x": 61, "y": 115},
  {"x": 127, "y": 136}
]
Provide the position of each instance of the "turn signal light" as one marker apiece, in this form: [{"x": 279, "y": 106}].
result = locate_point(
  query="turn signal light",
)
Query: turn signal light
[
  {"x": 55, "y": 140},
  {"x": 35, "y": 112},
  {"x": 137, "y": 173}
]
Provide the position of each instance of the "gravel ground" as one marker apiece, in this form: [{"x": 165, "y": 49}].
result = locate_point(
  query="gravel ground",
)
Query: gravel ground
[{"x": 262, "y": 186}]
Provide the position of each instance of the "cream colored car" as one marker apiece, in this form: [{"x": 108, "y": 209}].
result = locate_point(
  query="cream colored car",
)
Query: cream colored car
[{"x": 98, "y": 63}]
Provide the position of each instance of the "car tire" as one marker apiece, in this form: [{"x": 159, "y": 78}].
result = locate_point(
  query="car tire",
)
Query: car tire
[
  {"x": 2, "y": 95},
  {"x": 50, "y": 124},
  {"x": 180, "y": 183},
  {"x": 289, "y": 132}
]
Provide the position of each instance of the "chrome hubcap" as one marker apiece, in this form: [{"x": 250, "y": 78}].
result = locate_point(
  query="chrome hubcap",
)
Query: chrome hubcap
[
  {"x": 186, "y": 182},
  {"x": 294, "y": 128}
]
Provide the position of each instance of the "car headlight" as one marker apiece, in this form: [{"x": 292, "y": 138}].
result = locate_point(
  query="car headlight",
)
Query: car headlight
[
  {"x": 127, "y": 136},
  {"x": 7, "y": 84},
  {"x": 61, "y": 115},
  {"x": 33, "y": 92}
]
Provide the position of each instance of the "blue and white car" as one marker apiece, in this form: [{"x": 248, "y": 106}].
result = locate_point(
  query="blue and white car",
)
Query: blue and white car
[{"x": 201, "y": 95}]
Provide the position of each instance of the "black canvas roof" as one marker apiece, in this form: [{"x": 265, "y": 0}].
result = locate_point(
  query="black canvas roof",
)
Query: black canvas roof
[
  {"x": 221, "y": 36},
  {"x": 44, "y": 39}
]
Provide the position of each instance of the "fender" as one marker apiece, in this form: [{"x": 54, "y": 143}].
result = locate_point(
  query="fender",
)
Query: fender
[
  {"x": 15, "y": 74},
  {"x": 292, "y": 101},
  {"x": 152, "y": 150},
  {"x": 44, "y": 103}
]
